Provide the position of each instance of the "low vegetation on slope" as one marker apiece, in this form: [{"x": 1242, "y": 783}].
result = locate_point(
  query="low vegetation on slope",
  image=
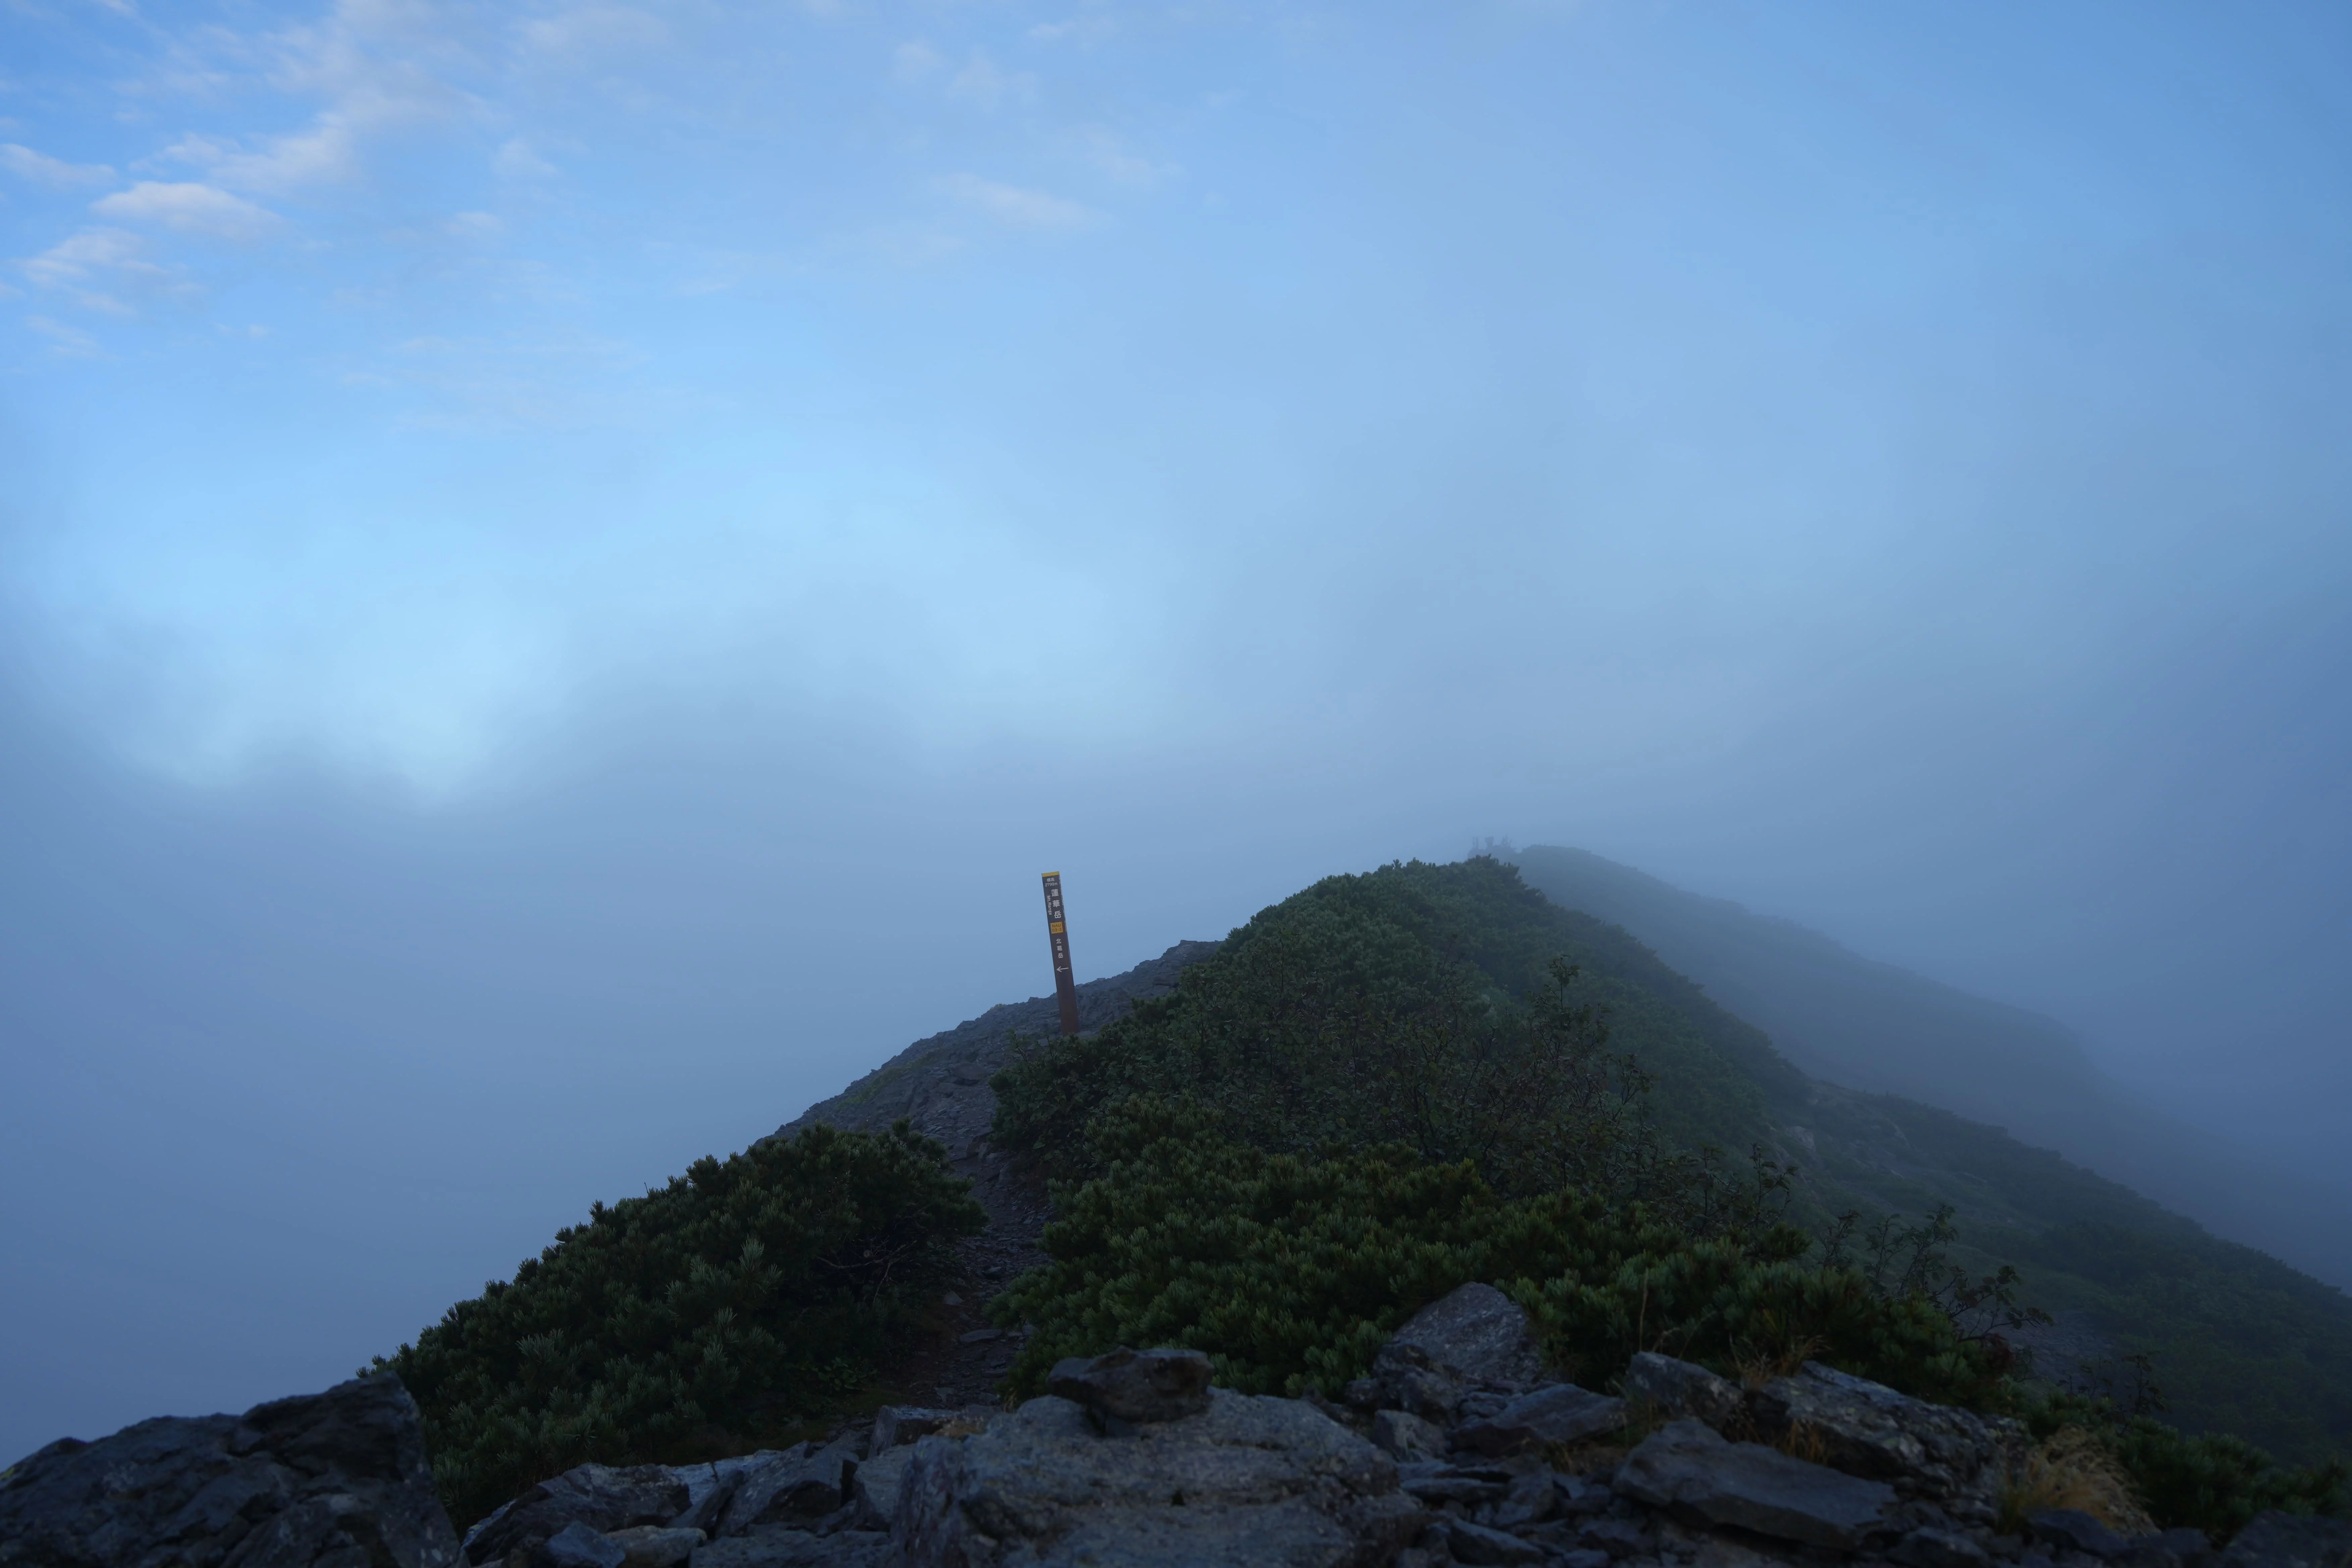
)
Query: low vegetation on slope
[
  {"x": 1390, "y": 1084},
  {"x": 742, "y": 1297},
  {"x": 1377, "y": 1089}
]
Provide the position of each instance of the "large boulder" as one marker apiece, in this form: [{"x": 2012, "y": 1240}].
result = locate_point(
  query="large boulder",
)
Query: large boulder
[
  {"x": 1249, "y": 1480},
  {"x": 1561, "y": 1413},
  {"x": 1950, "y": 1457},
  {"x": 1689, "y": 1467},
  {"x": 793, "y": 1484},
  {"x": 2276, "y": 1539},
  {"x": 334, "y": 1479},
  {"x": 1681, "y": 1390},
  {"x": 1466, "y": 1353},
  {"x": 1135, "y": 1385},
  {"x": 601, "y": 1497}
]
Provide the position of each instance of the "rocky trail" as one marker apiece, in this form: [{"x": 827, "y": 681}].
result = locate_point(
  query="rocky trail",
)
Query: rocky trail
[{"x": 940, "y": 1085}]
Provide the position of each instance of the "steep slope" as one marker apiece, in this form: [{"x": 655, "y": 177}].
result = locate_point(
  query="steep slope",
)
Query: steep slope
[
  {"x": 1880, "y": 1028},
  {"x": 2241, "y": 1342}
]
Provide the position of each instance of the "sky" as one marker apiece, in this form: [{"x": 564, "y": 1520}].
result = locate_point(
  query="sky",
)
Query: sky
[{"x": 563, "y": 567}]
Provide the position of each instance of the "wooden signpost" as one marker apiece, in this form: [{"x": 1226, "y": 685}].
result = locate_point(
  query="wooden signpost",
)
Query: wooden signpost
[{"x": 1066, "y": 987}]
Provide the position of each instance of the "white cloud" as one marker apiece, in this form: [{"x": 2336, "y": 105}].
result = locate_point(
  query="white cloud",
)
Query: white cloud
[
  {"x": 1015, "y": 206},
  {"x": 325, "y": 154},
  {"x": 475, "y": 227},
  {"x": 185, "y": 207},
  {"x": 1108, "y": 155},
  {"x": 518, "y": 160},
  {"x": 381, "y": 66},
  {"x": 597, "y": 32},
  {"x": 97, "y": 265},
  {"x": 978, "y": 83},
  {"x": 1085, "y": 30},
  {"x": 66, "y": 342},
  {"x": 45, "y": 170}
]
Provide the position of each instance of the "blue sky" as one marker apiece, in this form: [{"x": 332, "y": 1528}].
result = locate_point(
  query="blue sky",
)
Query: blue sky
[{"x": 536, "y": 538}]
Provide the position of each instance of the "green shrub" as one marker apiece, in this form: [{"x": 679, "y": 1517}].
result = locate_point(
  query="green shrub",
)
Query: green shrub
[
  {"x": 2209, "y": 1481},
  {"x": 1410, "y": 1006},
  {"x": 1290, "y": 1270},
  {"x": 744, "y": 1295}
]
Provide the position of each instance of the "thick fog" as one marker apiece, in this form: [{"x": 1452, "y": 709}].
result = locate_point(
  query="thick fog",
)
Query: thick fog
[{"x": 564, "y": 569}]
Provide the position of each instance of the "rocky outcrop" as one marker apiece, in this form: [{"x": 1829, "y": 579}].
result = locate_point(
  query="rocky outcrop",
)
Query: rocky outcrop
[
  {"x": 1953, "y": 1457},
  {"x": 1245, "y": 1480},
  {"x": 1461, "y": 1448},
  {"x": 336, "y": 1480},
  {"x": 1693, "y": 1470}
]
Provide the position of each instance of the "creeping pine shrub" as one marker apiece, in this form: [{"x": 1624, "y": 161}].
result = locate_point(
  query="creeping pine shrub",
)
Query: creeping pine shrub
[
  {"x": 1289, "y": 1270},
  {"x": 2210, "y": 1482},
  {"x": 742, "y": 1296}
]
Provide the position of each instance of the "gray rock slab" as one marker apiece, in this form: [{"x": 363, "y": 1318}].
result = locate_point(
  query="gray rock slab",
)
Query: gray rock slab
[
  {"x": 1436, "y": 1481},
  {"x": 2276, "y": 1539},
  {"x": 1476, "y": 1543},
  {"x": 1688, "y": 1466},
  {"x": 326, "y": 1478},
  {"x": 602, "y": 1497},
  {"x": 798, "y": 1483},
  {"x": 1249, "y": 1480},
  {"x": 897, "y": 1424},
  {"x": 710, "y": 1487},
  {"x": 1866, "y": 1429},
  {"x": 2071, "y": 1530},
  {"x": 1405, "y": 1436},
  {"x": 1473, "y": 1335},
  {"x": 1127, "y": 1385},
  {"x": 1937, "y": 1548},
  {"x": 775, "y": 1546},
  {"x": 1681, "y": 1390},
  {"x": 876, "y": 1488},
  {"x": 655, "y": 1545},
  {"x": 578, "y": 1546},
  {"x": 1562, "y": 1413}
]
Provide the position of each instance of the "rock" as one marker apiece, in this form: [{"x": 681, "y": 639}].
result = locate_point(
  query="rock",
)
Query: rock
[
  {"x": 1935, "y": 1548},
  {"x": 2073, "y": 1530},
  {"x": 796, "y": 1483},
  {"x": 875, "y": 1487},
  {"x": 1135, "y": 1385},
  {"x": 709, "y": 1487},
  {"x": 897, "y": 1424},
  {"x": 979, "y": 1336},
  {"x": 655, "y": 1545},
  {"x": 1404, "y": 1435},
  {"x": 601, "y": 1497},
  {"x": 1476, "y": 1543},
  {"x": 1529, "y": 1500},
  {"x": 1582, "y": 1557},
  {"x": 1435, "y": 1481},
  {"x": 1686, "y": 1466},
  {"x": 1614, "y": 1536},
  {"x": 1562, "y": 1413},
  {"x": 1249, "y": 1480},
  {"x": 577, "y": 1546},
  {"x": 331, "y": 1478},
  {"x": 1866, "y": 1429},
  {"x": 1680, "y": 1390},
  {"x": 2173, "y": 1549},
  {"x": 775, "y": 1546},
  {"x": 1471, "y": 1338},
  {"x": 2276, "y": 1539}
]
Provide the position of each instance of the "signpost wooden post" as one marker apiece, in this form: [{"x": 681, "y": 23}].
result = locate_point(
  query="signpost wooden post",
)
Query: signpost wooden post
[{"x": 1066, "y": 987}]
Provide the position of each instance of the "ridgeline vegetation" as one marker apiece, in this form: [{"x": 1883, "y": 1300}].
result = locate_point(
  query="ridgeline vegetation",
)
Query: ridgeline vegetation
[{"x": 1380, "y": 1088}]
